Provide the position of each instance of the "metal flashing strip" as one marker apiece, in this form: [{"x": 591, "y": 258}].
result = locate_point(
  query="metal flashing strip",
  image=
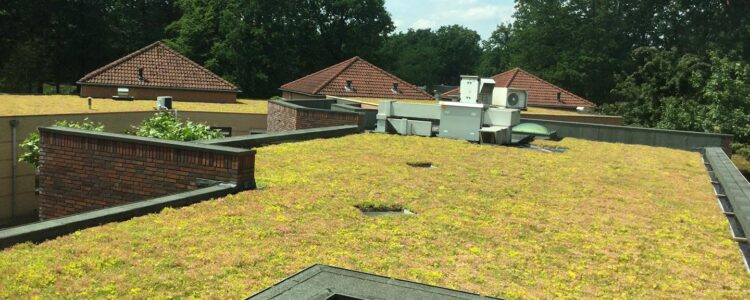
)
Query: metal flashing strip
[
  {"x": 193, "y": 146},
  {"x": 326, "y": 282},
  {"x": 732, "y": 192},
  {"x": 258, "y": 140}
]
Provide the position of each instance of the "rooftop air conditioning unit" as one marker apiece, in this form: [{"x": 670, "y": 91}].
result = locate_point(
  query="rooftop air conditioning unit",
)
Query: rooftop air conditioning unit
[
  {"x": 476, "y": 90},
  {"x": 469, "y": 91},
  {"x": 509, "y": 98}
]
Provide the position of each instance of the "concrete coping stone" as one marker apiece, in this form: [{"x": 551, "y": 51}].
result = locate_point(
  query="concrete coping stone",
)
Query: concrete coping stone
[
  {"x": 303, "y": 108},
  {"x": 530, "y": 118},
  {"x": 256, "y": 140},
  {"x": 193, "y": 146}
]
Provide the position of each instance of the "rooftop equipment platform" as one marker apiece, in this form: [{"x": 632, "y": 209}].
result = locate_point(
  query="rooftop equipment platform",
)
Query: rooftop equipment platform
[{"x": 484, "y": 114}]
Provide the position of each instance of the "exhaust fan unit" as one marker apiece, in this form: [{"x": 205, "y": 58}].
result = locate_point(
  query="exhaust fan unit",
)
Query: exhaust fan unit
[{"x": 509, "y": 98}]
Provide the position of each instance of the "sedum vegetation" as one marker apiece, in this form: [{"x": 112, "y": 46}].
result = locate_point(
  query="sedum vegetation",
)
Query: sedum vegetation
[
  {"x": 601, "y": 220},
  {"x": 20, "y": 105}
]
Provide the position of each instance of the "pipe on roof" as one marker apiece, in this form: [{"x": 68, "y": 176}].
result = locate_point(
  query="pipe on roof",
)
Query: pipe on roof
[{"x": 13, "y": 166}]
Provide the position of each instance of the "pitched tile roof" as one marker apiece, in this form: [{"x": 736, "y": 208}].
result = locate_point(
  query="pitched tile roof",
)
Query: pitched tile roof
[
  {"x": 162, "y": 68},
  {"x": 368, "y": 81},
  {"x": 541, "y": 93}
]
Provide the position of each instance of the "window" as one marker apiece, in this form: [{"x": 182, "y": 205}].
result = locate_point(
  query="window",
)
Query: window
[{"x": 349, "y": 86}]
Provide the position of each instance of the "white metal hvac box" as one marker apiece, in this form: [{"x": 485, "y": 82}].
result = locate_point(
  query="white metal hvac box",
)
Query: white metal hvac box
[
  {"x": 469, "y": 89},
  {"x": 460, "y": 120}
]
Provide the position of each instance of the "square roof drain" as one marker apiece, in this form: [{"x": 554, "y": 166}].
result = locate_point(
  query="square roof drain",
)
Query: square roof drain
[
  {"x": 373, "y": 211},
  {"x": 421, "y": 164}
]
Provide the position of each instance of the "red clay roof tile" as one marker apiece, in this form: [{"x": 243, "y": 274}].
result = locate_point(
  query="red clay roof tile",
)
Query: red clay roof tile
[
  {"x": 368, "y": 81},
  {"x": 162, "y": 68},
  {"x": 541, "y": 93}
]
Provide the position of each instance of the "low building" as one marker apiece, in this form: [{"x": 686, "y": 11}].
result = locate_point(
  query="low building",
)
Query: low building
[
  {"x": 354, "y": 77},
  {"x": 540, "y": 92},
  {"x": 157, "y": 70}
]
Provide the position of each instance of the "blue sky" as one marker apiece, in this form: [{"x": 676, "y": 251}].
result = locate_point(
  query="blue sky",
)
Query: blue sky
[{"x": 480, "y": 15}]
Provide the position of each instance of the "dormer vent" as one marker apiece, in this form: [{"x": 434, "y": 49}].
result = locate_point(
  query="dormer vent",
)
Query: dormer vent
[{"x": 395, "y": 89}]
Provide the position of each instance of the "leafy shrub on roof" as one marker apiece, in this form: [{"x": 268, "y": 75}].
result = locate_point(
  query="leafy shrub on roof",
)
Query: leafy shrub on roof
[
  {"x": 164, "y": 125},
  {"x": 30, "y": 146}
]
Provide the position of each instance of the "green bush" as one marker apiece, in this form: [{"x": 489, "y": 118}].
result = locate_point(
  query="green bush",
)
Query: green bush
[
  {"x": 30, "y": 146},
  {"x": 164, "y": 125},
  {"x": 741, "y": 150}
]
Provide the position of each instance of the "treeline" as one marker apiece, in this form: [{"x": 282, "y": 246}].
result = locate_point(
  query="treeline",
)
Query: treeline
[
  {"x": 59, "y": 41},
  {"x": 677, "y": 64},
  {"x": 680, "y": 64}
]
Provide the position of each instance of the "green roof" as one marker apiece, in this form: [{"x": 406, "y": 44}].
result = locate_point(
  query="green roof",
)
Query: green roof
[{"x": 599, "y": 220}]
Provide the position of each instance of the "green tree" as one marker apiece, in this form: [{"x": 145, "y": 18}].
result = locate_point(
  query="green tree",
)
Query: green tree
[
  {"x": 165, "y": 125},
  {"x": 58, "y": 41},
  {"x": 426, "y": 57},
  {"x": 496, "y": 51},
  {"x": 686, "y": 92},
  {"x": 414, "y": 56},
  {"x": 30, "y": 145},
  {"x": 260, "y": 45},
  {"x": 459, "y": 52},
  {"x": 578, "y": 44}
]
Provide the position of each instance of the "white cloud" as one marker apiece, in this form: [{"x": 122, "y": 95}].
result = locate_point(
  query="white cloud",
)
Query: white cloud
[
  {"x": 480, "y": 15},
  {"x": 423, "y": 24}
]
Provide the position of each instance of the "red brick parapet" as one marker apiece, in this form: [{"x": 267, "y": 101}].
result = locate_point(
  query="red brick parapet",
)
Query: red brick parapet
[
  {"x": 284, "y": 116},
  {"x": 83, "y": 170}
]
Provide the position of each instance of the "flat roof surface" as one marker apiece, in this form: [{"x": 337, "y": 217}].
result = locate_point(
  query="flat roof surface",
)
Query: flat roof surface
[
  {"x": 22, "y": 105},
  {"x": 600, "y": 220}
]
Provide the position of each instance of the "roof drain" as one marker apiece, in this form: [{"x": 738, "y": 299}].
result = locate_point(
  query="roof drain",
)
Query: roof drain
[
  {"x": 378, "y": 211},
  {"x": 421, "y": 164}
]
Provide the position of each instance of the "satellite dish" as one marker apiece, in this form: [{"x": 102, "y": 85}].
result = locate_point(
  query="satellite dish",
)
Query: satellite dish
[{"x": 512, "y": 99}]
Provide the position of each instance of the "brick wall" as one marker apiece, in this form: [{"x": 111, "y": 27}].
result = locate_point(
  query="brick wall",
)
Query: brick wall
[
  {"x": 283, "y": 117},
  {"x": 152, "y": 93},
  {"x": 82, "y": 170}
]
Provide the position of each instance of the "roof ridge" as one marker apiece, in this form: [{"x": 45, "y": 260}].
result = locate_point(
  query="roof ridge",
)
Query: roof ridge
[
  {"x": 348, "y": 63},
  {"x": 184, "y": 58},
  {"x": 557, "y": 87},
  {"x": 158, "y": 45},
  {"x": 314, "y": 73},
  {"x": 117, "y": 62},
  {"x": 456, "y": 89},
  {"x": 515, "y": 73},
  {"x": 396, "y": 78}
]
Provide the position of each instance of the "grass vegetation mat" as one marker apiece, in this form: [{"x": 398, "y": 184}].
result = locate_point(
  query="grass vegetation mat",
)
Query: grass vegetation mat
[
  {"x": 600, "y": 220},
  {"x": 20, "y": 105}
]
